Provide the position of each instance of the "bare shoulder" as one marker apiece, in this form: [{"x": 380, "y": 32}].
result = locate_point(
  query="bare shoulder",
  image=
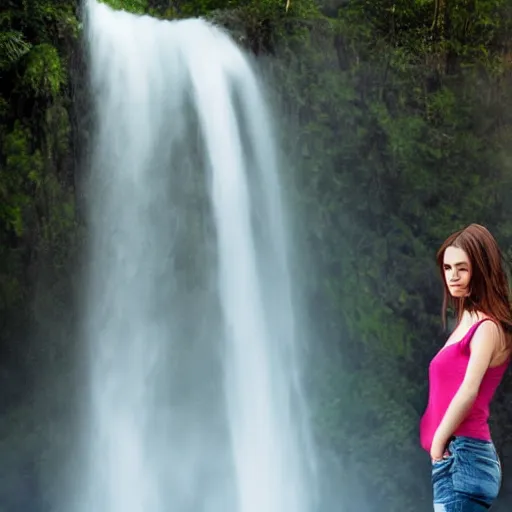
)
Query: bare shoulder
[
  {"x": 484, "y": 353},
  {"x": 489, "y": 338},
  {"x": 488, "y": 332}
]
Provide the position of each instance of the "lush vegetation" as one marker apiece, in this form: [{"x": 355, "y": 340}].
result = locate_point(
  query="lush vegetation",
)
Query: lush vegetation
[{"x": 398, "y": 118}]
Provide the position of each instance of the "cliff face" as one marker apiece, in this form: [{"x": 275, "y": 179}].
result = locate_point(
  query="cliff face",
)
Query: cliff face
[{"x": 396, "y": 122}]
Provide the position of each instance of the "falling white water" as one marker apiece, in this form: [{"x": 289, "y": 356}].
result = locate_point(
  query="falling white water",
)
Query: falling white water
[{"x": 195, "y": 401}]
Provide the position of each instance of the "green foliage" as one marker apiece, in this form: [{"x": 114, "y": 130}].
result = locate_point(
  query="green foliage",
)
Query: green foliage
[
  {"x": 20, "y": 166},
  {"x": 38, "y": 229},
  {"x": 12, "y": 47},
  {"x": 134, "y": 6},
  {"x": 43, "y": 72}
]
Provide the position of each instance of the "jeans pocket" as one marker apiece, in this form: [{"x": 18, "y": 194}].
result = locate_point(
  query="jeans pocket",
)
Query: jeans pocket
[
  {"x": 477, "y": 475},
  {"x": 443, "y": 461},
  {"x": 442, "y": 486}
]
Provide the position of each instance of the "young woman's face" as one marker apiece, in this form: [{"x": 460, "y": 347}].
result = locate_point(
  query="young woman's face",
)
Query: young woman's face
[{"x": 457, "y": 271}]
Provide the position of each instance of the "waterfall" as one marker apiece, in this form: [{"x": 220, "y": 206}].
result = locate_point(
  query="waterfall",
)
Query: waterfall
[{"x": 194, "y": 400}]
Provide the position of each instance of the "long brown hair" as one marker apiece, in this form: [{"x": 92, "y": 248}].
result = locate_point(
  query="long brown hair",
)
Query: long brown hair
[{"x": 489, "y": 287}]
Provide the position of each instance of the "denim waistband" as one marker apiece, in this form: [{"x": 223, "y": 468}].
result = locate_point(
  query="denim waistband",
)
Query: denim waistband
[{"x": 470, "y": 442}]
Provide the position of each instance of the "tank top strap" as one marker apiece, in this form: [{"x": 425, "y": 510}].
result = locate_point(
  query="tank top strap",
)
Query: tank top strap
[{"x": 464, "y": 344}]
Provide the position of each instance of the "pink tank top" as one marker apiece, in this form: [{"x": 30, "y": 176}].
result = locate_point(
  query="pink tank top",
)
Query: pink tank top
[{"x": 446, "y": 373}]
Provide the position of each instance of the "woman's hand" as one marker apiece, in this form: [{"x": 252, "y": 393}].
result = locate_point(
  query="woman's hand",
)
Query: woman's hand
[{"x": 438, "y": 451}]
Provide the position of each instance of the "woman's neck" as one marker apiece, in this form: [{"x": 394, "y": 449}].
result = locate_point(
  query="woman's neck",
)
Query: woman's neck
[{"x": 470, "y": 317}]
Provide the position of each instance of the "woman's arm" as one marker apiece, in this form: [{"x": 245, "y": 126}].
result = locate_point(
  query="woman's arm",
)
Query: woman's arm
[{"x": 483, "y": 345}]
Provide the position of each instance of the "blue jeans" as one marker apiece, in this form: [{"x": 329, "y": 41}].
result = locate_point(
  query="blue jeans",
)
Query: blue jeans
[{"x": 469, "y": 479}]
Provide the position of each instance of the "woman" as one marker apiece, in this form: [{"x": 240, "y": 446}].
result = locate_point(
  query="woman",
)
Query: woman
[{"x": 463, "y": 376}]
